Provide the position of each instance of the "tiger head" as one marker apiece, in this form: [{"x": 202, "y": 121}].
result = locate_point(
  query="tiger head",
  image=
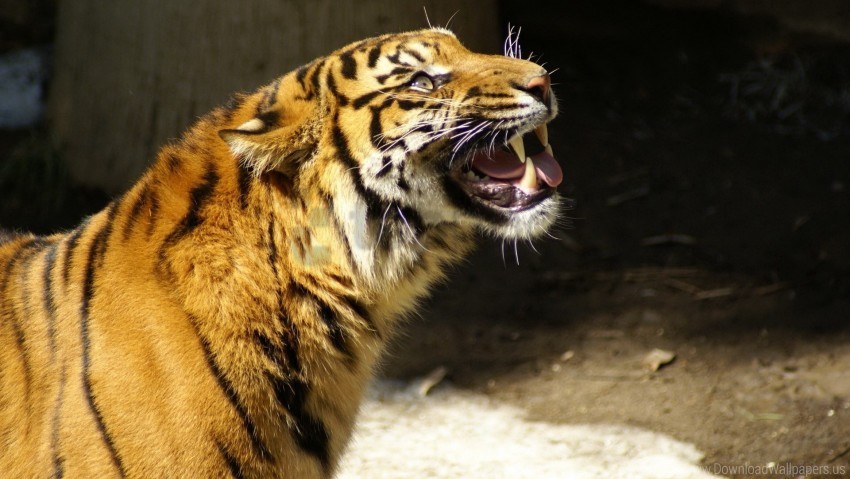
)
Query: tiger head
[{"x": 417, "y": 123}]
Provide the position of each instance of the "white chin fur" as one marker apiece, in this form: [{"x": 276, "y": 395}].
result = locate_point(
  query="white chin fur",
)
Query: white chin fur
[{"x": 527, "y": 224}]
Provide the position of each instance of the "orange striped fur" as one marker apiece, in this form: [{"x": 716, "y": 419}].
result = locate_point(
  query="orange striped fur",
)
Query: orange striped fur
[{"x": 222, "y": 318}]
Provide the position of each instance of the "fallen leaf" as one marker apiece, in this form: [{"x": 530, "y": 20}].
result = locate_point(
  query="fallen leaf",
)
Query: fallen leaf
[
  {"x": 657, "y": 358},
  {"x": 433, "y": 378}
]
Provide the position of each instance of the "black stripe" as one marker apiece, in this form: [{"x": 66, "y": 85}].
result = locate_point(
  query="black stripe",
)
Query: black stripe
[
  {"x": 464, "y": 202},
  {"x": 360, "y": 310},
  {"x": 342, "y": 281},
  {"x": 349, "y": 65},
  {"x": 269, "y": 118},
  {"x": 472, "y": 93},
  {"x": 335, "y": 332},
  {"x": 70, "y": 249},
  {"x": 414, "y": 54},
  {"x": 374, "y": 54},
  {"x": 267, "y": 347},
  {"x": 95, "y": 258},
  {"x": 199, "y": 195},
  {"x": 402, "y": 181},
  {"x": 25, "y": 250},
  {"x": 331, "y": 84},
  {"x": 362, "y": 100},
  {"x": 270, "y": 96},
  {"x": 232, "y": 396},
  {"x": 232, "y": 463},
  {"x": 309, "y": 432},
  {"x": 329, "y": 317},
  {"x": 172, "y": 162},
  {"x": 375, "y": 127},
  {"x": 408, "y": 105},
  {"x": 386, "y": 162},
  {"x": 412, "y": 218},
  {"x": 135, "y": 210},
  {"x": 300, "y": 74},
  {"x": 25, "y": 270},
  {"x": 244, "y": 180},
  {"x": 49, "y": 297},
  {"x": 396, "y": 59},
  {"x": 58, "y": 460},
  {"x": 197, "y": 199},
  {"x": 289, "y": 334},
  {"x": 291, "y": 391},
  {"x": 373, "y": 201},
  {"x": 314, "y": 76},
  {"x": 440, "y": 242},
  {"x": 234, "y": 102},
  {"x": 395, "y": 71},
  {"x": 496, "y": 95}
]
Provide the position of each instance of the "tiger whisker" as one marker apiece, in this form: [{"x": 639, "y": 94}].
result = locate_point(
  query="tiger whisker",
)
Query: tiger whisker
[
  {"x": 383, "y": 222},
  {"x": 410, "y": 229},
  {"x": 530, "y": 243},
  {"x": 430, "y": 136}
]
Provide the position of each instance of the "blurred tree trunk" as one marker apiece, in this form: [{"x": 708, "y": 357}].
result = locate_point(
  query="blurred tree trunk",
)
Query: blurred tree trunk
[{"x": 130, "y": 74}]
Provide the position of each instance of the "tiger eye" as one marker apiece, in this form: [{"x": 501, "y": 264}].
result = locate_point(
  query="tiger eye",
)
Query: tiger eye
[{"x": 422, "y": 82}]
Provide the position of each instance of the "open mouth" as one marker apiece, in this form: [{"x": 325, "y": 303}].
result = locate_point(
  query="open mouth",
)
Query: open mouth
[{"x": 506, "y": 178}]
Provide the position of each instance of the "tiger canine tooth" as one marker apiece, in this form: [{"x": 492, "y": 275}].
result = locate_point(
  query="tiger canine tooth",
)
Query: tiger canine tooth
[
  {"x": 548, "y": 149},
  {"x": 519, "y": 147},
  {"x": 542, "y": 133},
  {"x": 529, "y": 179}
]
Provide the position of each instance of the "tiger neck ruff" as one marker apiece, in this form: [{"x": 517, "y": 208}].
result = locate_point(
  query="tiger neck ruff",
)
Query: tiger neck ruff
[{"x": 223, "y": 317}]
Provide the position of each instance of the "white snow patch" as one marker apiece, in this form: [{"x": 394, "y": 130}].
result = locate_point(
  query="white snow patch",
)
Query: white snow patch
[{"x": 458, "y": 434}]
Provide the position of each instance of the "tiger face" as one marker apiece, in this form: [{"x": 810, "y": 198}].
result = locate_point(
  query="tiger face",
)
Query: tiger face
[{"x": 423, "y": 125}]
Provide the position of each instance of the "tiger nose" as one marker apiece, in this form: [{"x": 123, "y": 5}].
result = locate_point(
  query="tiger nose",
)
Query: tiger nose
[{"x": 539, "y": 87}]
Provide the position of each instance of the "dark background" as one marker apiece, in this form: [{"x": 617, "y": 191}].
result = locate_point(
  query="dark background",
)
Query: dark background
[{"x": 706, "y": 150}]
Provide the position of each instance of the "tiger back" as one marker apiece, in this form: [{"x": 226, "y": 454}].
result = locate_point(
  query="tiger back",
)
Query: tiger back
[{"x": 223, "y": 317}]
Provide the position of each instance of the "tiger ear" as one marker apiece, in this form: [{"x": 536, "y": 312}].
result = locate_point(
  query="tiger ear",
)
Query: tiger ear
[{"x": 273, "y": 140}]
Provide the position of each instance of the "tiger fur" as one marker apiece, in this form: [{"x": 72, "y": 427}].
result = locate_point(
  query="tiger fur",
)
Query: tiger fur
[{"x": 223, "y": 317}]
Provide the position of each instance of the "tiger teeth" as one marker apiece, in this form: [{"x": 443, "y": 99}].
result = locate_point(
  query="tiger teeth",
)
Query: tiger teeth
[
  {"x": 518, "y": 147},
  {"x": 542, "y": 133},
  {"x": 472, "y": 176},
  {"x": 548, "y": 149},
  {"x": 529, "y": 179}
]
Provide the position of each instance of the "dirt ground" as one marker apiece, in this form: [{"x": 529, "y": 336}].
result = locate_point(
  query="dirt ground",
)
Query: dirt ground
[{"x": 706, "y": 159}]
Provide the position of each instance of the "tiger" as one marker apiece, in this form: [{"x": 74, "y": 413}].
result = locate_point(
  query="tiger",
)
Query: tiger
[{"x": 224, "y": 316}]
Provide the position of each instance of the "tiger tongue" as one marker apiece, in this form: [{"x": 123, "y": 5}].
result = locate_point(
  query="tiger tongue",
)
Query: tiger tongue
[
  {"x": 548, "y": 168},
  {"x": 500, "y": 164},
  {"x": 505, "y": 165}
]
